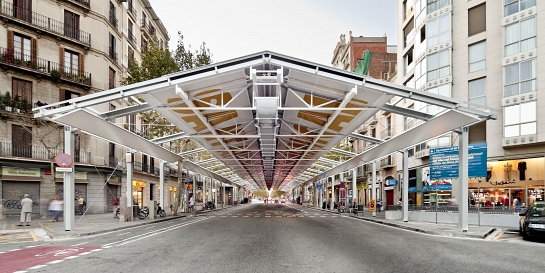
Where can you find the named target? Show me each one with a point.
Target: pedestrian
(56, 207)
(115, 203)
(81, 204)
(26, 210)
(191, 203)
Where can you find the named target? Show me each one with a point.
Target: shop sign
(444, 162)
(77, 175)
(114, 179)
(20, 172)
(391, 182)
(319, 186)
(139, 184)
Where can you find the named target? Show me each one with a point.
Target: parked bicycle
(143, 213)
(160, 211)
(118, 212)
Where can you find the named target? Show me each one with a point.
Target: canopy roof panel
(265, 116)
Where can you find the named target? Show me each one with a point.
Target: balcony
(386, 134)
(132, 11)
(146, 168)
(112, 162)
(44, 23)
(10, 58)
(409, 124)
(387, 162)
(85, 4)
(112, 54)
(372, 120)
(422, 153)
(8, 149)
(131, 37)
(113, 19)
(147, 28)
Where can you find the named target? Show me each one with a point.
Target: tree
(155, 63)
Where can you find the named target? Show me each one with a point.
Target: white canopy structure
(266, 116)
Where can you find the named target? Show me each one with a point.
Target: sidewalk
(44, 229)
(442, 229)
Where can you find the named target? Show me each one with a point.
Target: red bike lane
(17, 260)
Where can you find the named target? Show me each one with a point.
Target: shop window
(477, 57)
(514, 6)
(520, 78)
(477, 20)
(520, 120)
(438, 30)
(477, 92)
(439, 65)
(520, 37)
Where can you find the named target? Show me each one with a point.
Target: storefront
(138, 192)
(16, 182)
(113, 189)
(507, 180)
(80, 187)
(172, 195)
(389, 191)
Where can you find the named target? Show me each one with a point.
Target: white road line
(223, 216)
(38, 266)
(256, 216)
(333, 215)
(80, 244)
(71, 257)
(234, 216)
(20, 272)
(122, 234)
(267, 216)
(14, 249)
(84, 253)
(322, 216)
(278, 215)
(138, 238)
(30, 246)
(150, 227)
(245, 216)
(2, 252)
(56, 262)
(98, 249)
(312, 216)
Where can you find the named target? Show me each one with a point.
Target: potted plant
(17, 104)
(55, 75)
(6, 101)
(25, 105)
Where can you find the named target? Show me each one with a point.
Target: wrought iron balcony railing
(113, 19)
(8, 149)
(132, 10)
(44, 23)
(131, 37)
(86, 3)
(112, 53)
(8, 56)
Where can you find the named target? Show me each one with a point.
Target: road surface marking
(38, 266)
(80, 244)
(267, 216)
(322, 216)
(312, 216)
(56, 262)
(122, 234)
(45, 227)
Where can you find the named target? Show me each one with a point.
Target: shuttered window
(21, 139)
(21, 88)
(111, 79)
(71, 24)
(477, 20)
(23, 10)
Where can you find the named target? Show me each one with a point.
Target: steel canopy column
(69, 186)
(332, 204)
(373, 188)
(129, 157)
(405, 185)
(215, 194)
(162, 184)
(223, 200)
(354, 187)
(341, 178)
(463, 180)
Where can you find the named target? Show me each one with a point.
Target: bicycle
(117, 212)
(160, 211)
(144, 213)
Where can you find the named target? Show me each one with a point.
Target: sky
(304, 29)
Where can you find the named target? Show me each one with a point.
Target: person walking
(191, 203)
(56, 207)
(115, 204)
(81, 202)
(26, 210)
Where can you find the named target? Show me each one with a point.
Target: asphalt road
(271, 238)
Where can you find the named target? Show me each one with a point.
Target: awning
(115, 183)
(77, 181)
(22, 178)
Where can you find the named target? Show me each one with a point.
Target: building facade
(58, 50)
(485, 53)
(380, 63)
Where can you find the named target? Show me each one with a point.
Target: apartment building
(485, 53)
(54, 51)
(374, 57)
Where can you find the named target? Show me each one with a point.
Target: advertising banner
(444, 162)
(412, 180)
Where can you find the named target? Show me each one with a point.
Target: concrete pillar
(223, 197)
(215, 193)
(162, 184)
(463, 180)
(69, 186)
(405, 186)
(129, 157)
(373, 188)
(341, 179)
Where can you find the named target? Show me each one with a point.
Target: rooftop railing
(45, 23)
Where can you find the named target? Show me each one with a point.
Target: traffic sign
(372, 205)
(64, 160)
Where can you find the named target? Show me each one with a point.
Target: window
(131, 121)
(513, 6)
(77, 147)
(152, 165)
(22, 89)
(71, 24)
(112, 52)
(477, 57)
(520, 36)
(520, 120)
(477, 91)
(71, 62)
(520, 78)
(408, 60)
(131, 56)
(112, 107)
(438, 30)
(434, 5)
(23, 10)
(477, 20)
(111, 79)
(438, 65)
(409, 31)
(66, 95)
(113, 17)
(21, 141)
(443, 90)
(130, 33)
(22, 47)
(145, 163)
(112, 161)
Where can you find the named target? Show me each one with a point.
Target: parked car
(532, 221)
(276, 200)
(283, 201)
